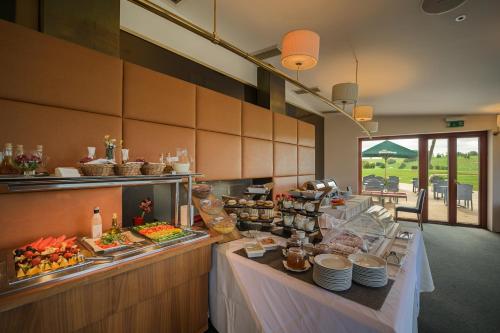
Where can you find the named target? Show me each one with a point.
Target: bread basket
(97, 169)
(153, 169)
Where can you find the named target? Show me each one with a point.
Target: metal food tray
(12, 274)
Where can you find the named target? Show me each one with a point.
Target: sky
(464, 145)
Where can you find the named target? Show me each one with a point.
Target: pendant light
(300, 50)
(362, 112)
(345, 93)
(371, 126)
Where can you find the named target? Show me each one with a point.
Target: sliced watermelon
(60, 238)
(45, 243)
(36, 244)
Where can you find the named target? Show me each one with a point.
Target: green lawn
(468, 169)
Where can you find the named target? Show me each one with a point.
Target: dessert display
(159, 231)
(46, 255)
(343, 242)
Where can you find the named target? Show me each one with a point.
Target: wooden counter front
(164, 292)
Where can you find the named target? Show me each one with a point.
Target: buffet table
(353, 206)
(246, 296)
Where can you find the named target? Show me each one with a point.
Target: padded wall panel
(257, 158)
(304, 178)
(31, 215)
(218, 156)
(283, 185)
(217, 112)
(65, 134)
(285, 159)
(285, 128)
(149, 140)
(156, 97)
(41, 69)
(257, 122)
(306, 134)
(306, 160)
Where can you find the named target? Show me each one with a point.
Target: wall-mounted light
(300, 50)
(363, 112)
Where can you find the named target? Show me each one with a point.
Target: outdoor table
(246, 296)
(382, 195)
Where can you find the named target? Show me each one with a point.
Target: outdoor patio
(438, 211)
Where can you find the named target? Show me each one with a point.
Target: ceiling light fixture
(460, 18)
(300, 50)
(371, 126)
(362, 112)
(347, 92)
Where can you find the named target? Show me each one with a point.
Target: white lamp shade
(345, 93)
(371, 126)
(300, 49)
(362, 113)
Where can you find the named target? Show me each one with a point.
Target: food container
(254, 250)
(212, 207)
(152, 169)
(181, 167)
(297, 205)
(128, 169)
(223, 225)
(268, 243)
(296, 258)
(288, 220)
(202, 191)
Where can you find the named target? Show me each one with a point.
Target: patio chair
(464, 193)
(393, 184)
(367, 178)
(415, 184)
(439, 189)
(374, 185)
(414, 209)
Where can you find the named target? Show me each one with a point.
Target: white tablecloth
(353, 206)
(246, 296)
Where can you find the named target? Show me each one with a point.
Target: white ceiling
(409, 62)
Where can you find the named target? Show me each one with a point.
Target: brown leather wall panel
(306, 134)
(65, 134)
(149, 140)
(305, 178)
(218, 156)
(257, 122)
(285, 159)
(257, 158)
(45, 70)
(283, 185)
(152, 96)
(32, 215)
(285, 128)
(306, 160)
(217, 112)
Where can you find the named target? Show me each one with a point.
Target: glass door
(467, 180)
(438, 176)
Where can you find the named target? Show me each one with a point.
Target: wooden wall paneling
(306, 134)
(257, 122)
(285, 159)
(155, 97)
(149, 140)
(218, 156)
(217, 112)
(284, 184)
(257, 159)
(31, 215)
(285, 128)
(305, 178)
(306, 165)
(41, 69)
(65, 134)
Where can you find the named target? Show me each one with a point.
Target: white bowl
(181, 167)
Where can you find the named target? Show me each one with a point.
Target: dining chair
(417, 209)
(464, 192)
(415, 184)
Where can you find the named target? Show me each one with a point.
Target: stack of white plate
(369, 270)
(332, 272)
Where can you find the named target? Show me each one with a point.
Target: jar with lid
(7, 166)
(293, 241)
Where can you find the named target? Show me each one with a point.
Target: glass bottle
(96, 224)
(42, 167)
(115, 228)
(7, 166)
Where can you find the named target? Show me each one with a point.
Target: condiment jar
(293, 241)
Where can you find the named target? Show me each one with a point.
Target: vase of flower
(146, 207)
(109, 146)
(27, 164)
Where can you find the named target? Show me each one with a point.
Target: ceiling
(409, 62)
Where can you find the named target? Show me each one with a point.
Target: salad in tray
(160, 231)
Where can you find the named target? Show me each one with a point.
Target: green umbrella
(388, 149)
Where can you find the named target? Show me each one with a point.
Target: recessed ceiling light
(460, 18)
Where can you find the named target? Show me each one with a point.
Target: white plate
(306, 267)
(367, 261)
(332, 262)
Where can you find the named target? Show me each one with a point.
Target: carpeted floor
(465, 265)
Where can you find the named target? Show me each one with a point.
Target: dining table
(248, 296)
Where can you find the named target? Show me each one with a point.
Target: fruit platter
(160, 232)
(46, 255)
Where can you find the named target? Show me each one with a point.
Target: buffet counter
(246, 296)
(169, 283)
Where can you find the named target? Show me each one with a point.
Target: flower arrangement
(145, 206)
(27, 163)
(109, 145)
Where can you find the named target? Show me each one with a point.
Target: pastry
(231, 202)
(244, 216)
(254, 217)
(260, 202)
(250, 203)
(242, 202)
(269, 203)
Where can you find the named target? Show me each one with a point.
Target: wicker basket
(97, 169)
(129, 169)
(153, 169)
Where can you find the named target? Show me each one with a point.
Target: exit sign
(455, 123)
